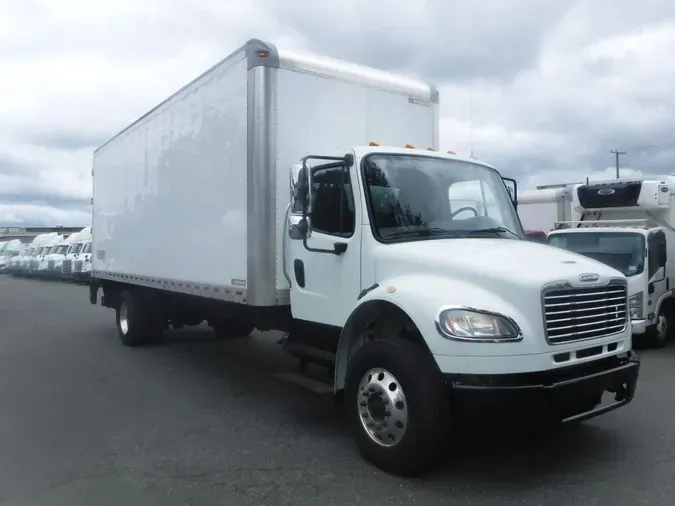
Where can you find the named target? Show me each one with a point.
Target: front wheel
(659, 333)
(397, 406)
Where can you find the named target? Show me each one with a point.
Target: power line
(617, 153)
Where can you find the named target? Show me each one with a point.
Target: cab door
(659, 282)
(324, 266)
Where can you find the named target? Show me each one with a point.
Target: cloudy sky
(541, 89)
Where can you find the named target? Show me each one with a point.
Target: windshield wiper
(421, 232)
(494, 231)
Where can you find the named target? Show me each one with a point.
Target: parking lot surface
(86, 421)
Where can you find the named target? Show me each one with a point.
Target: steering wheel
(465, 208)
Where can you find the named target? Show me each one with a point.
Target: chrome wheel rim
(662, 327)
(124, 317)
(382, 407)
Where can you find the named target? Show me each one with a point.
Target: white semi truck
(629, 225)
(355, 250)
(73, 261)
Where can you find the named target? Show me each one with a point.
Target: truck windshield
(624, 251)
(412, 197)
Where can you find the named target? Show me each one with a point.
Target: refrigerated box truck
(365, 253)
(629, 225)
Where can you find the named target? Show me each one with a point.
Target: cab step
(306, 382)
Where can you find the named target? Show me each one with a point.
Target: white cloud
(22, 215)
(542, 90)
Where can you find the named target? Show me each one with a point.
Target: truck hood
(486, 260)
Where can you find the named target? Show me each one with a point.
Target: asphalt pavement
(86, 421)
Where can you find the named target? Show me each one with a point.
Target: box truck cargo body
(311, 198)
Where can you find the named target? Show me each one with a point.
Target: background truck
(370, 258)
(628, 225)
(535, 236)
(73, 261)
(540, 209)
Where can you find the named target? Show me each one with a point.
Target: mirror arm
(345, 161)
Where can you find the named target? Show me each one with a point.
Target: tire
(138, 322)
(412, 438)
(227, 329)
(658, 334)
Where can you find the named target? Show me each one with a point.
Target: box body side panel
(170, 197)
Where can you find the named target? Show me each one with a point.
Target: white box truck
(403, 270)
(542, 208)
(628, 224)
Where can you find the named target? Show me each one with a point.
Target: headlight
(474, 326)
(635, 302)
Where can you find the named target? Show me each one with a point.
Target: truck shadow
(500, 452)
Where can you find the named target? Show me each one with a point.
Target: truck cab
(390, 228)
(627, 224)
(46, 264)
(10, 253)
(82, 263)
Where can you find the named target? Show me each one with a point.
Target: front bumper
(556, 391)
(82, 276)
(640, 326)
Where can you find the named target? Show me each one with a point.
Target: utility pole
(617, 153)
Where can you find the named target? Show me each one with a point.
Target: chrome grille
(77, 266)
(66, 266)
(573, 314)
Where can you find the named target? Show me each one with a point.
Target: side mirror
(300, 202)
(663, 254)
(294, 188)
(304, 193)
(299, 189)
(512, 190)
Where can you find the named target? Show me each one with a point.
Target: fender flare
(349, 336)
(665, 297)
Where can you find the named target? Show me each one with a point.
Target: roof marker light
(409, 146)
(373, 143)
(451, 153)
(431, 149)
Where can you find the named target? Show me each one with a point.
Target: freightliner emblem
(587, 278)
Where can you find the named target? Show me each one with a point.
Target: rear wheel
(397, 406)
(138, 321)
